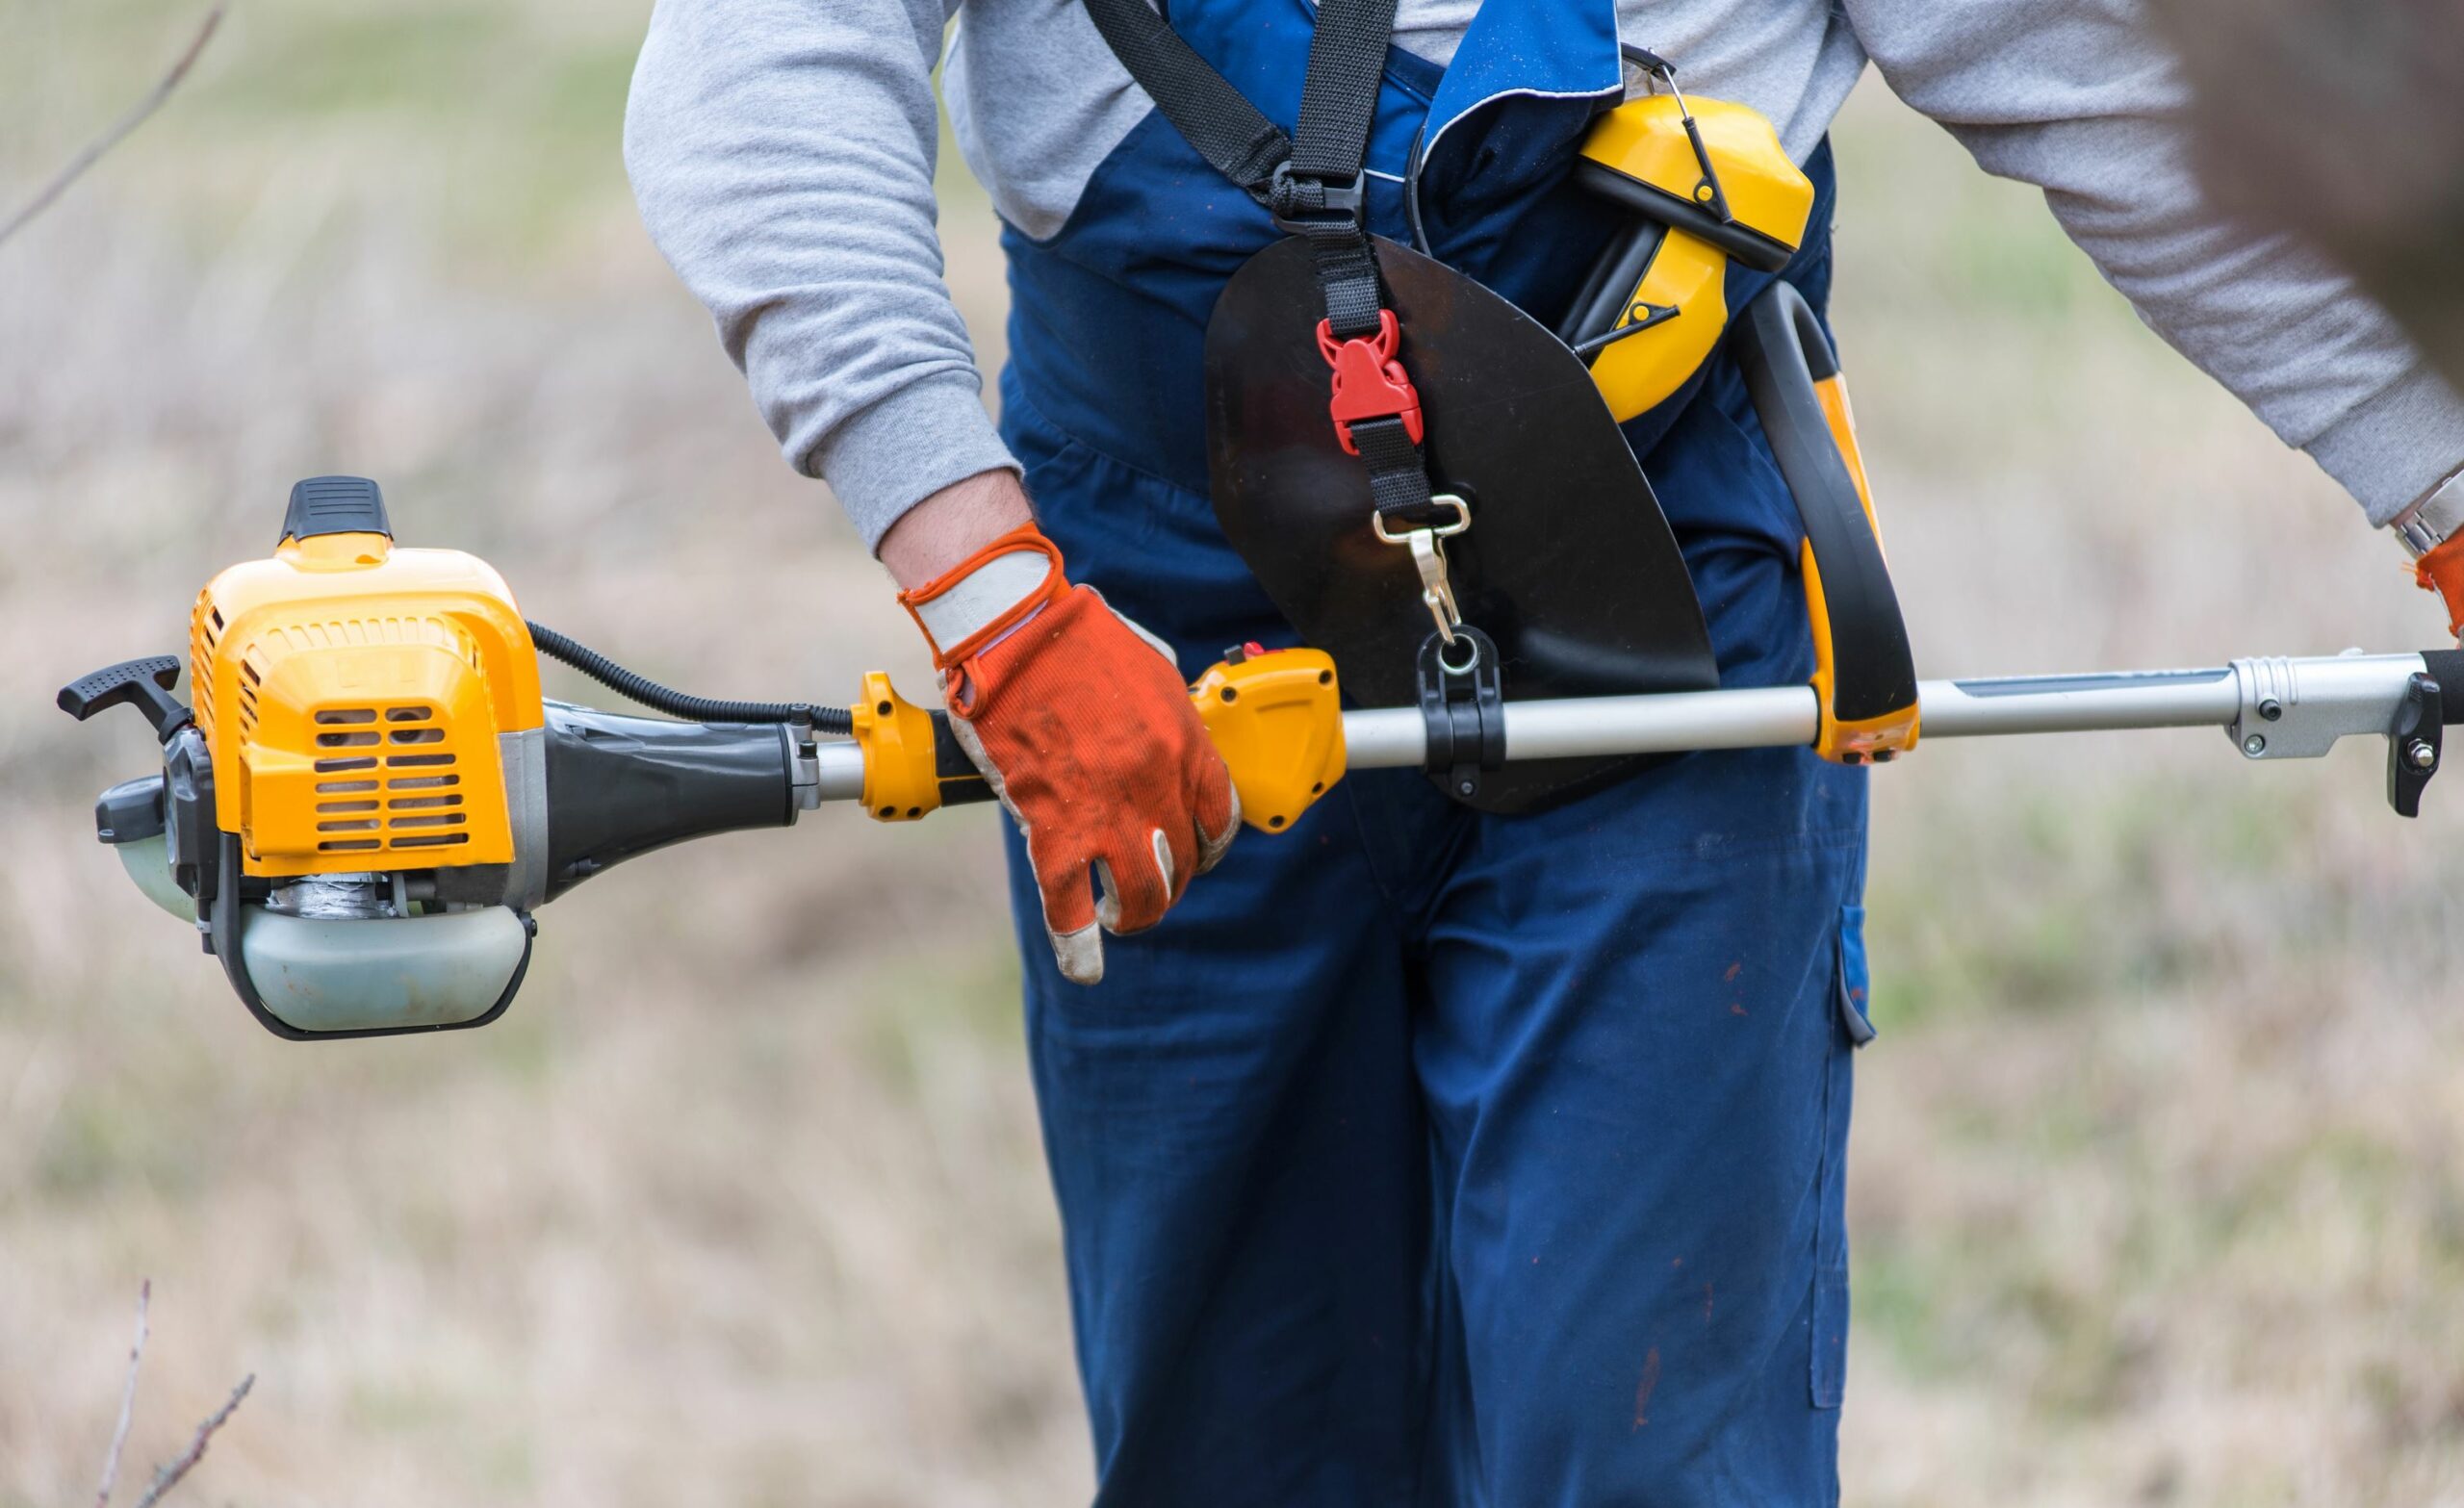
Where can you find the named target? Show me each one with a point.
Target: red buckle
(1369, 382)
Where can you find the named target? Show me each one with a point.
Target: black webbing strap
(1330, 145)
(1212, 116)
(1397, 475)
(1312, 182)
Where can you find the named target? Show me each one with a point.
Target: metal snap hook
(1428, 557)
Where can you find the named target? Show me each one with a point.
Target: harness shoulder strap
(1217, 119)
(1311, 182)
(1318, 193)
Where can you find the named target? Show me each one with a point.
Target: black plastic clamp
(2415, 744)
(1303, 206)
(1463, 709)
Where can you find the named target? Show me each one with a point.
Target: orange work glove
(1082, 724)
(2442, 570)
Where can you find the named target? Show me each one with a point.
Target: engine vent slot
(337, 766)
(201, 677)
(437, 819)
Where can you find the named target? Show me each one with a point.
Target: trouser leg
(1636, 1071)
(1234, 1139)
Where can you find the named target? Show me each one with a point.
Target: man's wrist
(952, 525)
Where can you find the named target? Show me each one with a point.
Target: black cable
(1412, 192)
(676, 704)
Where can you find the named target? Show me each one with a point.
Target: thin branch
(127, 1398)
(121, 128)
(168, 1477)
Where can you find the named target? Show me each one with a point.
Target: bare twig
(169, 1476)
(127, 1398)
(121, 128)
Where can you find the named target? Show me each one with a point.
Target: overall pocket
(1855, 984)
(1850, 993)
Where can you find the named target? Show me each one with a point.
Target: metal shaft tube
(838, 771)
(2307, 705)
(1670, 722)
(2077, 703)
(1783, 716)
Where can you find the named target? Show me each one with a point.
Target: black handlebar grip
(145, 684)
(1784, 352)
(2447, 667)
(962, 784)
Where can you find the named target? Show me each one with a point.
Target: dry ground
(2159, 1188)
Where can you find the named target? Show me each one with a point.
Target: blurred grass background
(2159, 1170)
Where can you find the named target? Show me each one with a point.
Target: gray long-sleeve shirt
(782, 154)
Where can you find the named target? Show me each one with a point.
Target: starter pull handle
(145, 684)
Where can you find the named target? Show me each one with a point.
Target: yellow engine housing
(354, 700)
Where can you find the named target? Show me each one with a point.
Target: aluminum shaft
(2320, 698)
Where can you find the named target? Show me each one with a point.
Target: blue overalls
(1423, 1157)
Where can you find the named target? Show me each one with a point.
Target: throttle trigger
(2415, 745)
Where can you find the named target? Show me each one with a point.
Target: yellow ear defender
(1707, 183)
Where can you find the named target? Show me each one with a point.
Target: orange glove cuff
(1025, 539)
(2442, 570)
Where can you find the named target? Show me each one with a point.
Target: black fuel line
(650, 694)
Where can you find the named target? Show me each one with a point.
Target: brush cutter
(365, 799)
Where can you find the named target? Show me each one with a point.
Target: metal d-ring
(1428, 557)
(1444, 500)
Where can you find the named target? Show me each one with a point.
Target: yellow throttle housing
(902, 757)
(1277, 718)
(1707, 184)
